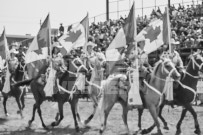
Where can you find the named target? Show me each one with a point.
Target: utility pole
(107, 10)
(117, 9)
(142, 11)
(169, 3)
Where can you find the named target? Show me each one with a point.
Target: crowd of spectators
(186, 27)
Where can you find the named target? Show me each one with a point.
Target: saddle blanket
(134, 98)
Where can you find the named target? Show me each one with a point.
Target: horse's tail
(21, 83)
(100, 110)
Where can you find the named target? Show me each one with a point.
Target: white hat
(57, 44)
(15, 44)
(14, 51)
(91, 44)
(174, 42)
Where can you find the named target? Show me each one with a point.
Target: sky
(21, 17)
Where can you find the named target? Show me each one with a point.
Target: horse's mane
(157, 64)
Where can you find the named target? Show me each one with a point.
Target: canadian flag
(75, 37)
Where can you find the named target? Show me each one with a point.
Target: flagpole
(169, 29)
(50, 44)
(86, 38)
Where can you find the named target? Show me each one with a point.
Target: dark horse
(182, 95)
(16, 91)
(66, 80)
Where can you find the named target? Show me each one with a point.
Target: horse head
(68, 61)
(196, 61)
(100, 60)
(167, 69)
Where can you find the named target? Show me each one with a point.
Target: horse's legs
(33, 114)
(154, 112)
(22, 99)
(125, 114)
(77, 113)
(19, 106)
(95, 104)
(60, 107)
(73, 105)
(189, 108)
(194, 114)
(4, 104)
(105, 116)
(140, 112)
(180, 121)
(161, 117)
(40, 115)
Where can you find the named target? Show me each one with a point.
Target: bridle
(194, 62)
(166, 70)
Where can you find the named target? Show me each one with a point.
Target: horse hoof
(7, 114)
(45, 127)
(29, 123)
(100, 132)
(144, 131)
(197, 131)
(18, 112)
(77, 129)
(85, 122)
(159, 132)
(178, 132)
(57, 117)
(166, 127)
(53, 124)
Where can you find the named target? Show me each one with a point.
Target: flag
(125, 35)
(166, 29)
(4, 54)
(76, 36)
(4, 50)
(38, 50)
(153, 35)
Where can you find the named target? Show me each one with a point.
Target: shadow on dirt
(52, 131)
(3, 120)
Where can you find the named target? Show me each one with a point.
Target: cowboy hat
(14, 51)
(174, 42)
(15, 44)
(91, 44)
(57, 44)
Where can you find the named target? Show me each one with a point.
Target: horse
(116, 90)
(94, 85)
(16, 91)
(185, 93)
(66, 82)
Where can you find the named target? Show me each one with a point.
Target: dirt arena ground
(14, 125)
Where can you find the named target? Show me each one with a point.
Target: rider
(144, 66)
(90, 56)
(57, 61)
(174, 56)
(13, 63)
(77, 62)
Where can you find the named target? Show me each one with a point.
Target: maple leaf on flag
(73, 36)
(152, 33)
